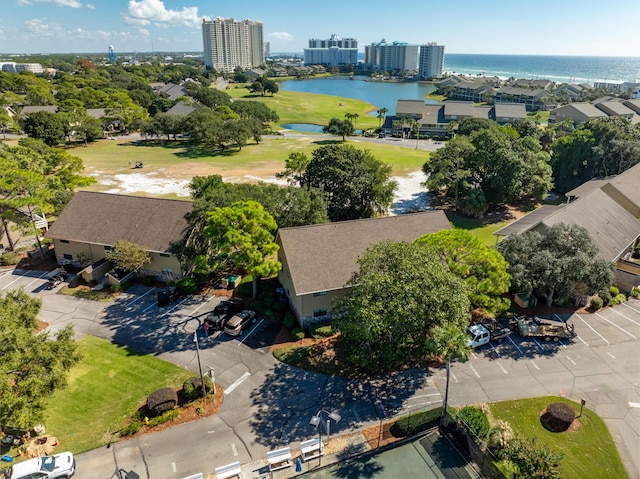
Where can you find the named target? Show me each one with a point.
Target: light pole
(317, 420)
(202, 385)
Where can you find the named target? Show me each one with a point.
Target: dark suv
(221, 314)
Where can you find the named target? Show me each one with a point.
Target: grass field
(105, 388)
(588, 452)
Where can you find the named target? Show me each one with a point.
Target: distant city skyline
(546, 27)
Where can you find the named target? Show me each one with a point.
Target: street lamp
(202, 385)
(316, 421)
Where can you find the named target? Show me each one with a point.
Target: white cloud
(142, 12)
(40, 28)
(283, 36)
(91, 6)
(60, 3)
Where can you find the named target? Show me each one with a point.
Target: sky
(543, 27)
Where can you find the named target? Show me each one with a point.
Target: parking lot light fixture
(203, 387)
(316, 421)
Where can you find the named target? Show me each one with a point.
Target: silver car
(58, 466)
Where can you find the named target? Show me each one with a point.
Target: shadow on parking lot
(289, 397)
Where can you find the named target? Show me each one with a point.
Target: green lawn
(478, 228)
(300, 107)
(588, 452)
(105, 388)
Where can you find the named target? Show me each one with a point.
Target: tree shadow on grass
(328, 142)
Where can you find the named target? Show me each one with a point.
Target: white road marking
(585, 343)
(626, 317)
(234, 450)
(139, 297)
(237, 383)
(634, 404)
(474, 371)
(210, 432)
(631, 307)
(539, 345)
(571, 361)
(515, 345)
(175, 307)
(534, 364)
(153, 305)
(39, 277)
(200, 306)
(249, 333)
(611, 355)
(503, 369)
(589, 326)
(355, 413)
(20, 276)
(455, 379)
(615, 325)
(495, 349)
(173, 466)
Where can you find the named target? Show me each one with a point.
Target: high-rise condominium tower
(229, 44)
(431, 61)
(333, 51)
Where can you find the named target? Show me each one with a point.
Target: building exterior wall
(398, 56)
(431, 64)
(229, 44)
(162, 265)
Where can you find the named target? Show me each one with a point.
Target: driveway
(268, 404)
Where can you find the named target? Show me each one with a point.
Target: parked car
(56, 278)
(168, 295)
(58, 466)
(239, 322)
(221, 314)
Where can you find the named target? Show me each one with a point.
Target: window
(320, 293)
(64, 241)
(319, 312)
(68, 256)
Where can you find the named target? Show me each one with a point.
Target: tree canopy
(354, 183)
(339, 127)
(127, 256)
(32, 366)
(483, 269)
(560, 263)
(400, 293)
(244, 234)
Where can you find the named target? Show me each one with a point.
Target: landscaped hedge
(321, 329)
(596, 303)
(9, 258)
(477, 421)
(192, 387)
(161, 400)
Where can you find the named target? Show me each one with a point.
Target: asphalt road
(269, 404)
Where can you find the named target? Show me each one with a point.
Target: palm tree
(382, 112)
(414, 127)
(449, 342)
(352, 117)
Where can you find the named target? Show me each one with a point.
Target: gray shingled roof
(182, 109)
(611, 227)
(633, 104)
(628, 183)
(614, 108)
(510, 110)
(103, 218)
(459, 108)
(586, 109)
(36, 108)
(323, 257)
(587, 187)
(409, 107)
(529, 221)
(432, 114)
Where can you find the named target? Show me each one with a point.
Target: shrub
(298, 334)
(192, 387)
(558, 417)
(187, 285)
(9, 258)
(132, 428)
(148, 280)
(165, 417)
(596, 303)
(161, 400)
(321, 329)
(258, 307)
(477, 422)
(245, 288)
(605, 296)
(500, 435)
(291, 355)
(273, 315)
(619, 299)
(289, 321)
(533, 460)
(280, 307)
(635, 292)
(613, 291)
(415, 423)
(268, 298)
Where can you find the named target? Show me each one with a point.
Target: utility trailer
(534, 327)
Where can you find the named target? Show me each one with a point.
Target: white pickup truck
(481, 334)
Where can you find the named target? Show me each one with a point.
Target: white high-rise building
(431, 61)
(229, 44)
(398, 56)
(333, 52)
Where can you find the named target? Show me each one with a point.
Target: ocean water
(560, 69)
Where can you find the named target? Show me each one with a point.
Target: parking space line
(455, 379)
(538, 343)
(139, 297)
(38, 278)
(355, 413)
(234, 450)
(611, 355)
(250, 332)
(494, 348)
(149, 307)
(626, 317)
(571, 360)
(20, 276)
(175, 307)
(614, 324)
(585, 343)
(188, 315)
(474, 371)
(534, 364)
(630, 307)
(515, 345)
(590, 327)
(237, 383)
(503, 369)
